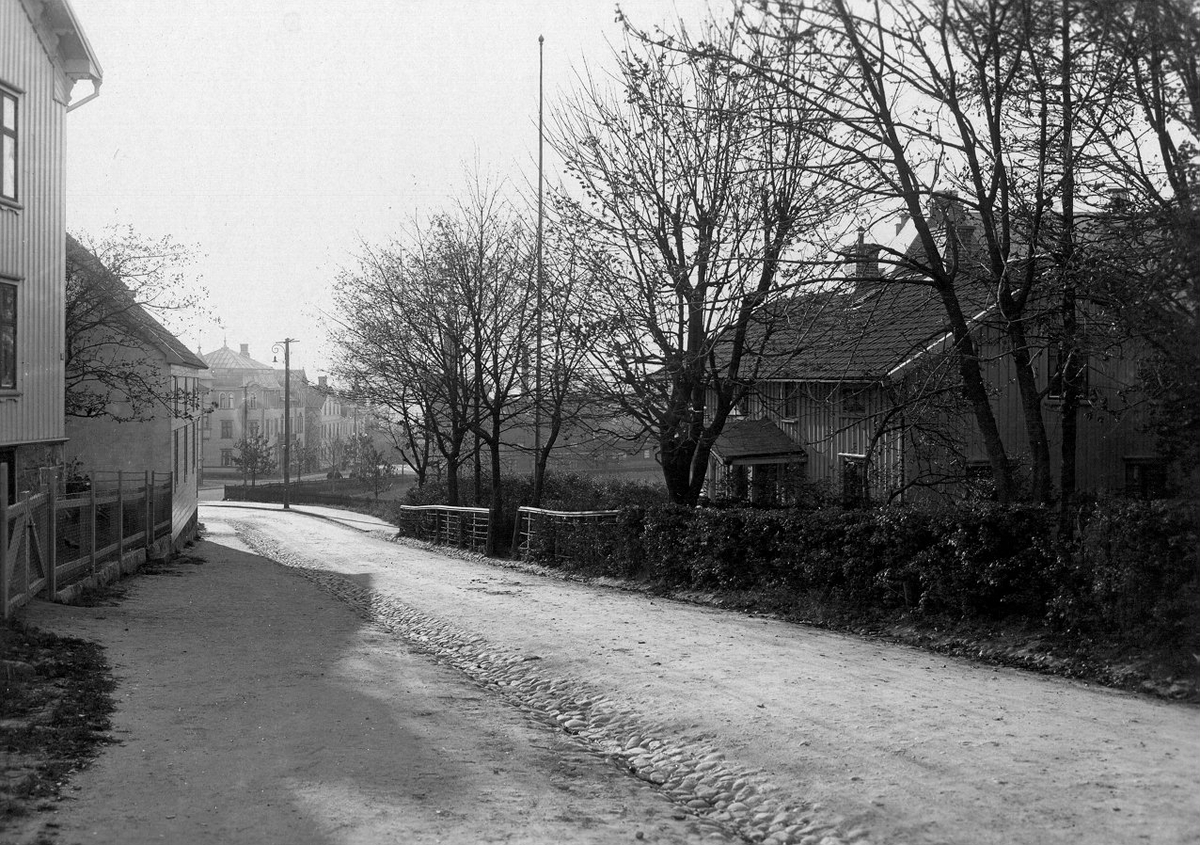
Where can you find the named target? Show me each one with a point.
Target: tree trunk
(1069, 352)
(975, 391)
(496, 511)
(1031, 407)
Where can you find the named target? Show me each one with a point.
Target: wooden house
(857, 396)
(43, 54)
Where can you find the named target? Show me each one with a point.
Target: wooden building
(44, 53)
(858, 397)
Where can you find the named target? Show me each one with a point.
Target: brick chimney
(866, 262)
(246, 349)
(323, 381)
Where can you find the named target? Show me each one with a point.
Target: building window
(253, 401)
(791, 402)
(1055, 372)
(226, 429)
(224, 401)
(8, 145)
(226, 457)
(8, 336)
(1145, 478)
(254, 429)
(853, 401)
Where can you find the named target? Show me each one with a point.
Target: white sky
(275, 136)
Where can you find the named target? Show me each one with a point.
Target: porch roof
(757, 441)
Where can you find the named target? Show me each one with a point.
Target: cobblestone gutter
(729, 803)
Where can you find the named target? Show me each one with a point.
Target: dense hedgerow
(1130, 573)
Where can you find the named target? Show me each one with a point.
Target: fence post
(4, 561)
(52, 552)
(25, 545)
(120, 518)
(148, 489)
(92, 523)
(516, 540)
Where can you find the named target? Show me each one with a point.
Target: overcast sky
(276, 135)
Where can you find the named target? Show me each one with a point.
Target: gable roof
(136, 319)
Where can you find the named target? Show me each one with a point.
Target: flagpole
(537, 379)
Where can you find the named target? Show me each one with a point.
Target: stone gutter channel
(729, 803)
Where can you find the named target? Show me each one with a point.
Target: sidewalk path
(255, 708)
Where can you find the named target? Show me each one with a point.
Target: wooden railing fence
(51, 540)
(466, 528)
(532, 522)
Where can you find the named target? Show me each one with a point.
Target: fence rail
(466, 528)
(50, 541)
(532, 521)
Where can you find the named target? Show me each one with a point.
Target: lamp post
(286, 343)
(245, 428)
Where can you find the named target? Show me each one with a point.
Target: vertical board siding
(826, 430)
(1110, 429)
(32, 244)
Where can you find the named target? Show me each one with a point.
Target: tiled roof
(865, 335)
(130, 312)
(744, 440)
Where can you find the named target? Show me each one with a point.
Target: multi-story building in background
(246, 401)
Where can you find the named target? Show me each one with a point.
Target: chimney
(246, 349)
(866, 261)
(322, 381)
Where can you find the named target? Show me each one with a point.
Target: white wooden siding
(32, 246)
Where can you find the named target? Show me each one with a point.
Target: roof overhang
(757, 441)
(65, 42)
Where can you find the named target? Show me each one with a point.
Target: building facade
(165, 439)
(43, 54)
(246, 401)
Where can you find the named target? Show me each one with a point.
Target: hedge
(1129, 573)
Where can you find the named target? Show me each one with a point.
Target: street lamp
(286, 343)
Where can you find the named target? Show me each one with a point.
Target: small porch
(754, 460)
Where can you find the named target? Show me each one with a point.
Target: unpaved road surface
(392, 693)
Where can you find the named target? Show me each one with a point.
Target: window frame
(8, 93)
(9, 282)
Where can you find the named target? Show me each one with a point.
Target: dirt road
(258, 709)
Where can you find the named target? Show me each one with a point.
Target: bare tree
(693, 195)
(979, 122)
(115, 287)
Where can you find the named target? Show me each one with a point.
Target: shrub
(1134, 572)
